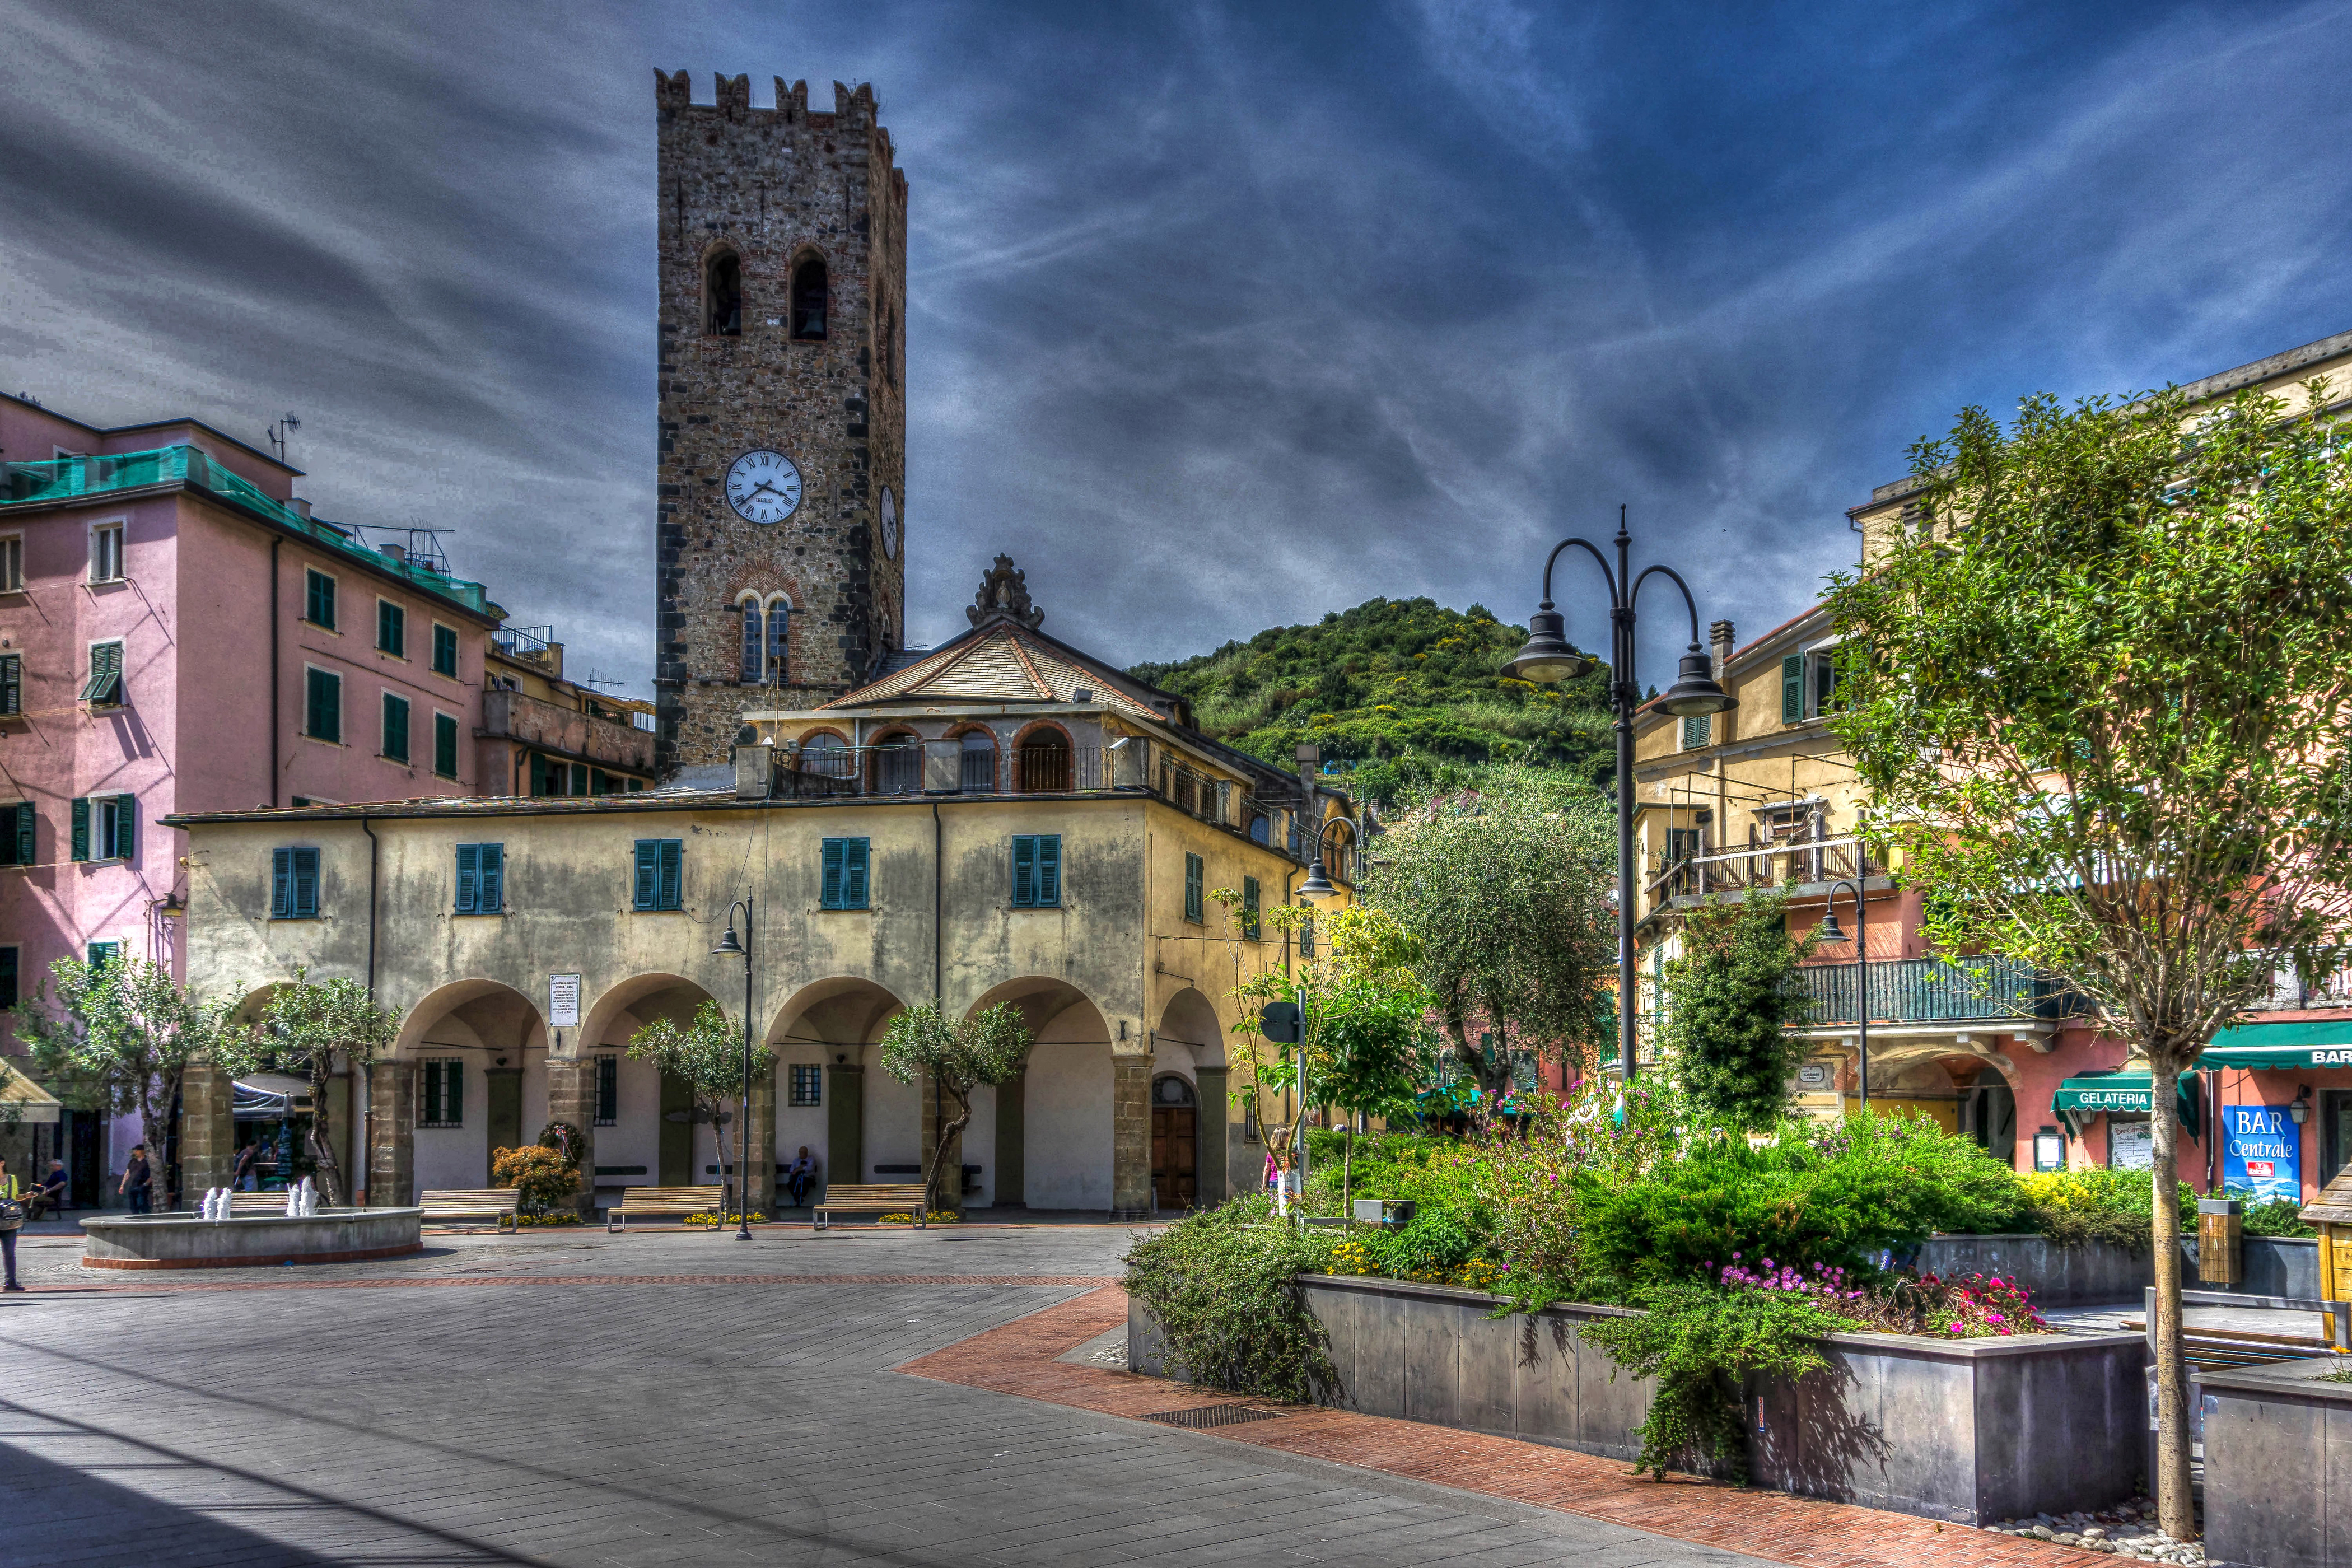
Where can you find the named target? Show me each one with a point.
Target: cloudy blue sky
(1220, 316)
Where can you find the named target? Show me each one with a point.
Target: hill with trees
(1402, 693)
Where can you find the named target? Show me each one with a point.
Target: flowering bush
(895, 1219)
(1827, 1285)
(567, 1218)
(1976, 1307)
(1351, 1257)
(944, 1216)
(716, 1220)
(545, 1181)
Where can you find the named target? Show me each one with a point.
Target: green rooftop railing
(68, 478)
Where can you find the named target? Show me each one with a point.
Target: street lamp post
(1829, 931)
(728, 944)
(1317, 886)
(1548, 659)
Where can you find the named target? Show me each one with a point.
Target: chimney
(1722, 640)
(301, 506)
(1310, 762)
(395, 552)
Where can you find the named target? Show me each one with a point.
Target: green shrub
(1835, 1194)
(2075, 1208)
(1223, 1285)
(2279, 1217)
(1435, 1245)
(1433, 1173)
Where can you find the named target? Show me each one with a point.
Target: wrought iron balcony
(1797, 861)
(1938, 990)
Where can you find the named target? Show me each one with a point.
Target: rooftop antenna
(281, 436)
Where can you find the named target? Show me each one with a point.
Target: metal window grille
(1044, 769)
(608, 1091)
(807, 1084)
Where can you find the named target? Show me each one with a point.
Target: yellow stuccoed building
(1002, 819)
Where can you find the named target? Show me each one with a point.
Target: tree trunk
(935, 1193)
(322, 1148)
(2176, 1509)
(1347, 1174)
(155, 1127)
(716, 1112)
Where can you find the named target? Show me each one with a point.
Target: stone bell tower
(779, 542)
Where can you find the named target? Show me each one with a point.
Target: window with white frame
(12, 563)
(106, 552)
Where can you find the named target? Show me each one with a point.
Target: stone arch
(980, 764)
(1189, 1033)
(830, 1030)
(486, 1086)
(1067, 1097)
(651, 1139)
(1042, 755)
(722, 291)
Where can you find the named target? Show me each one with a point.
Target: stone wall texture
(773, 186)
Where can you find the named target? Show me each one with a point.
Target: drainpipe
(274, 764)
(362, 1105)
(938, 909)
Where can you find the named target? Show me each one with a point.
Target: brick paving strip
(115, 1285)
(1019, 1358)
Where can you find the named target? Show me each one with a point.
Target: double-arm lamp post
(1548, 659)
(728, 944)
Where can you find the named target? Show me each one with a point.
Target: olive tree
(989, 1048)
(2105, 714)
(123, 1028)
(706, 1055)
(304, 1029)
(1506, 892)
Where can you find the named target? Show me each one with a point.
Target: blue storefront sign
(2262, 1153)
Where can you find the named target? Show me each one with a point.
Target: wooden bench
(661, 1200)
(886, 1198)
(495, 1204)
(257, 1204)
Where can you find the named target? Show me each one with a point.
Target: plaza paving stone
(685, 1398)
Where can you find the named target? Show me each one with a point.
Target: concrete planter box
(2103, 1274)
(2278, 1466)
(187, 1241)
(1968, 1431)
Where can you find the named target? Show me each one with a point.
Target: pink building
(179, 634)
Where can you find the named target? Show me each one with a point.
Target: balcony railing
(1762, 865)
(69, 478)
(1938, 990)
(902, 769)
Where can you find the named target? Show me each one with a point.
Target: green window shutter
(25, 819)
(444, 650)
(673, 855)
(830, 895)
(306, 883)
(1049, 870)
(12, 683)
(445, 745)
(1193, 907)
(648, 872)
(579, 778)
(491, 897)
(126, 824)
(80, 830)
(391, 629)
(452, 1091)
(395, 728)
(853, 873)
(281, 883)
(1249, 908)
(1024, 870)
(469, 878)
(1793, 689)
(324, 715)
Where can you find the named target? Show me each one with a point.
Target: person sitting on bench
(50, 1196)
(798, 1175)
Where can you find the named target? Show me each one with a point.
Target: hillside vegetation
(1403, 692)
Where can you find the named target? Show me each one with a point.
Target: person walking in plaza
(49, 1197)
(241, 1178)
(798, 1177)
(137, 1181)
(12, 1219)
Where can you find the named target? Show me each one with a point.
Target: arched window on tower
(722, 295)
(780, 621)
(748, 675)
(809, 297)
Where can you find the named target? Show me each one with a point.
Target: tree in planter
(1506, 892)
(989, 1048)
(304, 1029)
(1731, 997)
(1367, 1045)
(2105, 713)
(127, 1034)
(706, 1055)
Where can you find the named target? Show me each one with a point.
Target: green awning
(2326, 1043)
(2095, 1094)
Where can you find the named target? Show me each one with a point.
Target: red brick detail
(452, 1281)
(259, 1259)
(1018, 1358)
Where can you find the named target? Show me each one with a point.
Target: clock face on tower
(889, 523)
(763, 487)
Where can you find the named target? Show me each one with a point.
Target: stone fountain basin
(189, 1241)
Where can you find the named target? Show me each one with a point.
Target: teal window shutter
(1024, 870)
(853, 873)
(126, 824)
(492, 895)
(80, 830)
(648, 872)
(672, 870)
(1195, 908)
(281, 884)
(323, 715)
(445, 745)
(306, 883)
(25, 819)
(319, 607)
(444, 650)
(395, 728)
(1049, 868)
(1793, 689)
(831, 896)
(469, 878)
